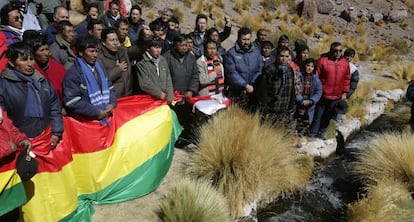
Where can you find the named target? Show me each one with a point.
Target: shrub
(328, 29)
(145, 3)
(400, 46)
(310, 29)
(151, 14)
(245, 159)
(189, 200)
(389, 201)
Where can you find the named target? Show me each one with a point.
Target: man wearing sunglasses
(11, 30)
(334, 73)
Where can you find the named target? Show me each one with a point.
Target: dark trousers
(324, 111)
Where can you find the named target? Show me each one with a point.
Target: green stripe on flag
(12, 198)
(140, 182)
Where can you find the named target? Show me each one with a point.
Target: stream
(332, 186)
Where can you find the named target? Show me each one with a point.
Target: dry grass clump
(190, 200)
(272, 4)
(388, 201)
(151, 14)
(241, 5)
(358, 101)
(245, 159)
(360, 29)
(178, 12)
(310, 29)
(400, 46)
(380, 52)
(409, 4)
(321, 47)
(145, 3)
(203, 7)
(388, 85)
(299, 21)
(187, 3)
(405, 25)
(266, 15)
(380, 23)
(254, 22)
(402, 70)
(390, 156)
(328, 29)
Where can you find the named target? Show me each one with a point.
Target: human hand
(102, 114)
(343, 97)
(227, 19)
(163, 95)
(122, 65)
(188, 94)
(26, 144)
(249, 88)
(54, 142)
(12, 146)
(306, 102)
(109, 109)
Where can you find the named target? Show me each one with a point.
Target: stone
(309, 10)
(397, 15)
(325, 6)
(375, 17)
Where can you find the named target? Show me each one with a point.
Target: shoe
(322, 137)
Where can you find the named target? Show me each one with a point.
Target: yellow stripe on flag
(9, 178)
(135, 142)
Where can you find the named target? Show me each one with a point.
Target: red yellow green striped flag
(96, 164)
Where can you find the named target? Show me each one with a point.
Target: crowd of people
(51, 68)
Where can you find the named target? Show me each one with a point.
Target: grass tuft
(388, 201)
(310, 29)
(151, 14)
(328, 29)
(187, 3)
(245, 159)
(191, 200)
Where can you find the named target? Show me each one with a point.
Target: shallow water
(332, 186)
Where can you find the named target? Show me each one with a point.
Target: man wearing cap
(334, 73)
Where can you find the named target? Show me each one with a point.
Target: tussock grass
(400, 46)
(254, 22)
(241, 5)
(409, 4)
(151, 14)
(310, 29)
(402, 70)
(145, 3)
(390, 156)
(178, 12)
(278, 13)
(380, 23)
(405, 25)
(191, 200)
(321, 47)
(266, 15)
(202, 7)
(299, 21)
(380, 52)
(390, 84)
(385, 202)
(245, 159)
(357, 102)
(328, 29)
(187, 3)
(272, 4)
(360, 29)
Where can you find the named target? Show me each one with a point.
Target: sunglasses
(17, 18)
(338, 50)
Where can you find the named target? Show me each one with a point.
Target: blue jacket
(315, 94)
(76, 97)
(51, 33)
(13, 94)
(242, 68)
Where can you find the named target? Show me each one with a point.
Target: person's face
(62, 14)
(90, 55)
(15, 19)
(245, 41)
(111, 43)
(202, 25)
(135, 15)
(114, 10)
(211, 50)
(190, 44)
(283, 57)
(69, 34)
(159, 32)
(122, 31)
(93, 13)
(285, 43)
(173, 25)
(349, 58)
(96, 31)
(181, 48)
(155, 51)
(42, 54)
(305, 54)
(337, 52)
(267, 51)
(262, 36)
(23, 64)
(165, 17)
(214, 36)
(309, 68)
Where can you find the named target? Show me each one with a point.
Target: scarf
(19, 32)
(33, 106)
(155, 61)
(307, 85)
(99, 97)
(214, 66)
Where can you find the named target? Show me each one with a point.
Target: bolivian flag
(96, 164)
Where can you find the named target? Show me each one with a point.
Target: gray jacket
(184, 74)
(122, 81)
(150, 82)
